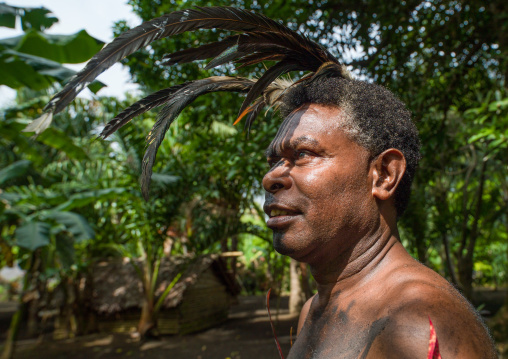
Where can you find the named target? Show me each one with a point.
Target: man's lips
(274, 210)
(280, 216)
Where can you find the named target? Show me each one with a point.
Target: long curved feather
(264, 81)
(256, 107)
(271, 96)
(181, 99)
(226, 18)
(146, 104)
(202, 52)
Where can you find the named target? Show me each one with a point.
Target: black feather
(226, 56)
(270, 75)
(146, 104)
(226, 18)
(202, 52)
(256, 107)
(181, 99)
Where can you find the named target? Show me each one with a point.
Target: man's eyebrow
(304, 139)
(271, 151)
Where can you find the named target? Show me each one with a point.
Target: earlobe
(387, 171)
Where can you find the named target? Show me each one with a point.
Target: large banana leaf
(87, 197)
(75, 224)
(19, 70)
(64, 49)
(61, 141)
(32, 235)
(14, 170)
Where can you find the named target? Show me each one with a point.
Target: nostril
(276, 186)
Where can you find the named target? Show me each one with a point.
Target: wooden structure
(199, 300)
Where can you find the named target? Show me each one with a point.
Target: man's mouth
(280, 218)
(279, 212)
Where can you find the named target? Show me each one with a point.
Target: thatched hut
(200, 299)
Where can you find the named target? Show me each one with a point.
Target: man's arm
(459, 330)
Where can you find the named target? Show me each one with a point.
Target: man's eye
(302, 154)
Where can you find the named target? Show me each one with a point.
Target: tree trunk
(449, 263)
(12, 334)
(32, 326)
(146, 322)
(234, 248)
(297, 295)
(33, 304)
(466, 261)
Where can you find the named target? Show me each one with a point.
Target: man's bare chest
(336, 334)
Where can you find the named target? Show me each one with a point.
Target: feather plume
(226, 18)
(270, 75)
(180, 99)
(256, 107)
(144, 105)
(258, 39)
(202, 52)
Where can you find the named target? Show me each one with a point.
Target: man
(341, 168)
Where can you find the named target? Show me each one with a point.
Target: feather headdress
(258, 39)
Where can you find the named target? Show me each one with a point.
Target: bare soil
(245, 335)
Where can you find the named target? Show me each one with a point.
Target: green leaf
(14, 170)
(65, 49)
(222, 129)
(62, 142)
(31, 18)
(8, 16)
(75, 224)
(16, 74)
(19, 70)
(32, 235)
(498, 105)
(164, 179)
(37, 18)
(85, 198)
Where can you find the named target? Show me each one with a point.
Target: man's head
(333, 177)
(374, 118)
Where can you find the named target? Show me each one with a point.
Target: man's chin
(280, 244)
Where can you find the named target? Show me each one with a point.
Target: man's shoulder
(414, 296)
(416, 284)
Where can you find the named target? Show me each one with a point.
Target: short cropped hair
(375, 119)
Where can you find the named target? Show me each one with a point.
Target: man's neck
(346, 273)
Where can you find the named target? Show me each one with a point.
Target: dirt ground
(245, 335)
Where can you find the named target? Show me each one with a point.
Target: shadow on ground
(246, 335)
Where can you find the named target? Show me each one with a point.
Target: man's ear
(387, 171)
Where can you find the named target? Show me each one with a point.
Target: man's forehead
(302, 126)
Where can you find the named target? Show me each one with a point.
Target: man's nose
(277, 178)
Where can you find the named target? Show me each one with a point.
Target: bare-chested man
(341, 169)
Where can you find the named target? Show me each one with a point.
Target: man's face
(318, 190)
